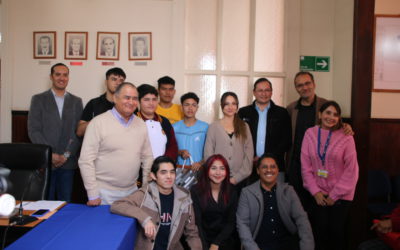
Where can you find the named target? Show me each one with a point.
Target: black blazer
(279, 131)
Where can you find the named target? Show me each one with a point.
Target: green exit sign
(315, 63)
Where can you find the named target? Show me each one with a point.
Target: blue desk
(80, 227)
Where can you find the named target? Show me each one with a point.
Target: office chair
(30, 166)
(379, 194)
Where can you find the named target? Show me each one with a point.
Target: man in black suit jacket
(269, 124)
(52, 120)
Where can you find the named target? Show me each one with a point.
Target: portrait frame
(144, 40)
(40, 39)
(72, 45)
(386, 54)
(103, 39)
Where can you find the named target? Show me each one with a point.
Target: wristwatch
(67, 155)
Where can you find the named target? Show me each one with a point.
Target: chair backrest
(30, 166)
(396, 188)
(379, 186)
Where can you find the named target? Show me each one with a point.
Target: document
(42, 204)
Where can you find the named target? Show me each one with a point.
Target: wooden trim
(19, 112)
(360, 112)
(19, 126)
(384, 120)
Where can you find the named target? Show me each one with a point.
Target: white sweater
(112, 154)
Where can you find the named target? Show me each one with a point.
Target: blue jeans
(61, 184)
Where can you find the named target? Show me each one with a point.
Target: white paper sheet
(43, 204)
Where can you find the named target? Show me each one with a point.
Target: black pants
(295, 179)
(329, 225)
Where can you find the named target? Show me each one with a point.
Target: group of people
(242, 161)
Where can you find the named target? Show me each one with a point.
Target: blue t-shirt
(191, 138)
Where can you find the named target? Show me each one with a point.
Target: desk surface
(81, 227)
(5, 221)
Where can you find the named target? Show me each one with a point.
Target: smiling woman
(329, 169)
(231, 137)
(214, 203)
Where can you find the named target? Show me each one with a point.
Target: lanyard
(323, 155)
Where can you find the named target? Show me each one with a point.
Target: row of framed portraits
(76, 45)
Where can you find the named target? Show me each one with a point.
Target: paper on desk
(36, 205)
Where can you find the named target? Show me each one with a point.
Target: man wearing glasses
(269, 124)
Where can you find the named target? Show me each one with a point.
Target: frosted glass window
(201, 34)
(238, 85)
(277, 89)
(269, 36)
(235, 35)
(205, 87)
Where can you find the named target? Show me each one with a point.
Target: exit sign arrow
(323, 64)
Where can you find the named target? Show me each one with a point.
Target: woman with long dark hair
(231, 137)
(215, 202)
(330, 172)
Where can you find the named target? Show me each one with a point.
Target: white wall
(23, 76)
(386, 105)
(322, 28)
(313, 27)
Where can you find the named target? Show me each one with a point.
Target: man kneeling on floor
(163, 210)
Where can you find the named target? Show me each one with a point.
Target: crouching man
(163, 210)
(270, 215)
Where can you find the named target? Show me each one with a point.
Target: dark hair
(118, 89)
(338, 110)
(204, 187)
(140, 39)
(56, 65)
(165, 80)
(267, 155)
(190, 95)
(107, 37)
(238, 124)
(145, 89)
(45, 37)
(263, 79)
(115, 71)
(157, 162)
(302, 73)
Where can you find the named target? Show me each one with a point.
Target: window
(228, 45)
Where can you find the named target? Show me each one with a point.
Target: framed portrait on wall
(387, 53)
(140, 45)
(75, 46)
(107, 46)
(44, 45)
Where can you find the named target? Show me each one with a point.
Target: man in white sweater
(115, 147)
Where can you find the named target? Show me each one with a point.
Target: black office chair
(30, 166)
(379, 194)
(396, 188)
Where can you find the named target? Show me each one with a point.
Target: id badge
(322, 173)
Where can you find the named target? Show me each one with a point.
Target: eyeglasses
(301, 85)
(264, 90)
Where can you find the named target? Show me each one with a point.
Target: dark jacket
(46, 127)
(293, 110)
(279, 132)
(216, 222)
